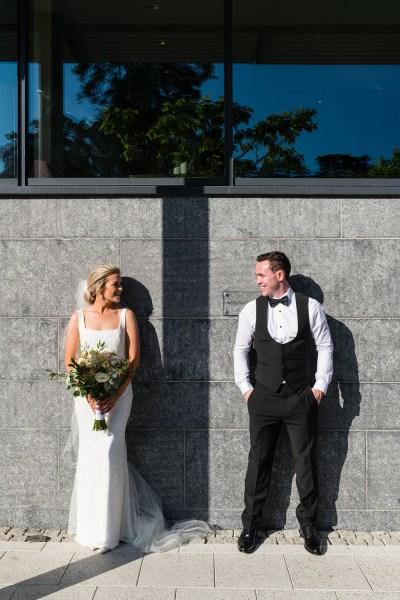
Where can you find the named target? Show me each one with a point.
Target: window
(316, 89)
(126, 89)
(8, 92)
(227, 93)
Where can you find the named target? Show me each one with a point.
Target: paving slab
(70, 547)
(122, 565)
(22, 546)
(392, 550)
(7, 591)
(355, 551)
(132, 593)
(214, 594)
(33, 567)
(177, 570)
(295, 595)
(251, 571)
(326, 572)
(54, 592)
(368, 595)
(383, 574)
(208, 549)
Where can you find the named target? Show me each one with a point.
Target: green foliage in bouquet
(96, 372)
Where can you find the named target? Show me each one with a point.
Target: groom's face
(267, 280)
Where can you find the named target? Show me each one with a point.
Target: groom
(283, 327)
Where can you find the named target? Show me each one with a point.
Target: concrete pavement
(202, 571)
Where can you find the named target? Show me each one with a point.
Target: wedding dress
(111, 502)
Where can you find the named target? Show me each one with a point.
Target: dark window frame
(228, 185)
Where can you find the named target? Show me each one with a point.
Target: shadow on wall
(168, 431)
(336, 414)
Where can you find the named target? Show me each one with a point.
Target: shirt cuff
(321, 385)
(245, 387)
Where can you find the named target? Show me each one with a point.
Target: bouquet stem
(99, 422)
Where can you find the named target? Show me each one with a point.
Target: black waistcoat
(283, 362)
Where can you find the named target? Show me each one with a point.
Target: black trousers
(268, 410)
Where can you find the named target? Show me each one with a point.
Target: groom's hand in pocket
(247, 394)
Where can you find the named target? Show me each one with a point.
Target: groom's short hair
(277, 261)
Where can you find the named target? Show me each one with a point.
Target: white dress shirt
(283, 326)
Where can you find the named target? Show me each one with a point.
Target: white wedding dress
(111, 502)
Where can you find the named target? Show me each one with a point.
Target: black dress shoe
(312, 541)
(247, 541)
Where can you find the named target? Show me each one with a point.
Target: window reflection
(135, 93)
(321, 89)
(8, 92)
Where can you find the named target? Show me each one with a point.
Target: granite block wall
(188, 264)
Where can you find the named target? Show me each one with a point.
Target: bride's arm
(72, 340)
(71, 350)
(133, 349)
(132, 340)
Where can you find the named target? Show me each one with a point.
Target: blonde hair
(96, 280)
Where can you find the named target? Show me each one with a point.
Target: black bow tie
(274, 301)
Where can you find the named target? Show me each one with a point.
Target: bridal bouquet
(98, 373)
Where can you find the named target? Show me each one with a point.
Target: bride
(111, 502)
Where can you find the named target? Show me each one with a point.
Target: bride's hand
(107, 404)
(92, 403)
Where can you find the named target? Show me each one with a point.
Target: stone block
(30, 467)
(23, 567)
(212, 594)
(245, 571)
(159, 457)
(35, 516)
(120, 217)
(55, 592)
(244, 218)
(34, 404)
(66, 469)
(215, 466)
(383, 464)
(360, 406)
(177, 570)
(33, 218)
(234, 301)
(383, 574)
(42, 275)
(350, 274)
(208, 349)
(193, 405)
(371, 217)
(189, 277)
(27, 348)
(88, 568)
(359, 519)
(175, 272)
(161, 343)
(132, 593)
(295, 595)
(7, 591)
(232, 267)
(355, 356)
(329, 572)
(341, 470)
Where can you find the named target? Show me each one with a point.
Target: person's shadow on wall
(336, 413)
(137, 297)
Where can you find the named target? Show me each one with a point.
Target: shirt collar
(289, 294)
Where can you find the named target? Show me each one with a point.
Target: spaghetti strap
(81, 319)
(122, 320)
